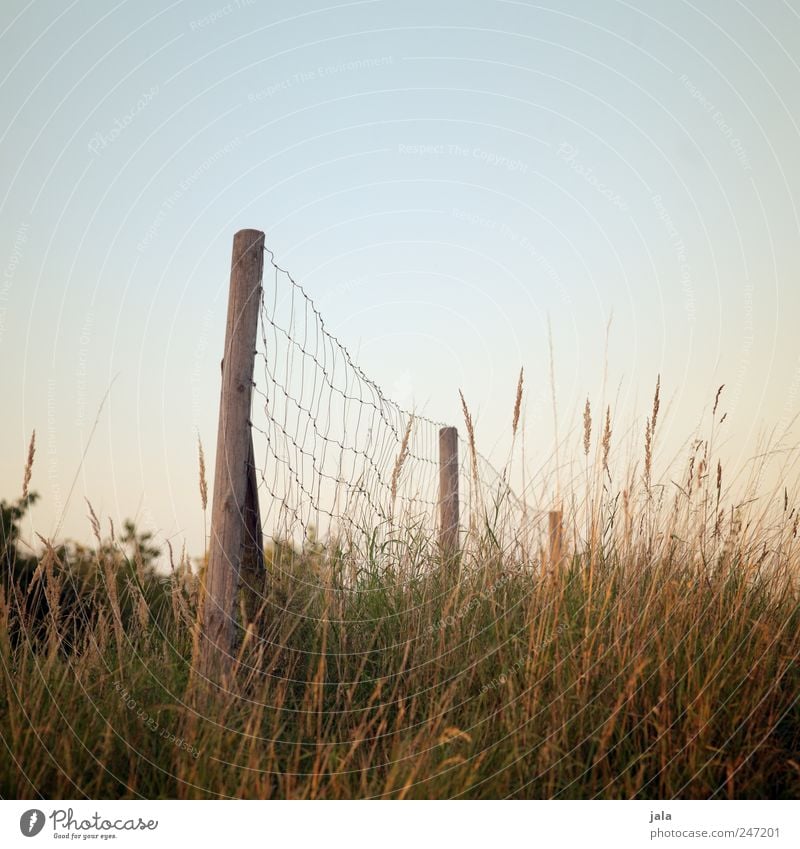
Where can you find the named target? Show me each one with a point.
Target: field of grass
(658, 659)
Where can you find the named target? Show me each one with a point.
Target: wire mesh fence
(338, 462)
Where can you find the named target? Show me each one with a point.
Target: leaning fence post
(556, 538)
(231, 469)
(448, 492)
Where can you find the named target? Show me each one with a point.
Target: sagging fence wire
(336, 459)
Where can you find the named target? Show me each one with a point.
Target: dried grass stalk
(26, 479)
(607, 440)
(517, 404)
(470, 438)
(401, 458)
(587, 428)
(203, 483)
(94, 521)
(656, 405)
(716, 399)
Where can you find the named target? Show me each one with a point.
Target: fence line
(336, 456)
(313, 457)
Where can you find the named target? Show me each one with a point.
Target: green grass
(616, 678)
(658, 659)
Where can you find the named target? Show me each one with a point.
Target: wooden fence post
(556, 538)
(233, 466)
(251, 571)
(448, 492)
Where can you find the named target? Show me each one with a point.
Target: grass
(657, 659)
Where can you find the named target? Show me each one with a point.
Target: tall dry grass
(659, 659)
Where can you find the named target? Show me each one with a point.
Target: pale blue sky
(441, 176)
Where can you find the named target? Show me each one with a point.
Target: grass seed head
(517, 405)
(203, 483)
(716, 399)
(26, 479)
(607, 439)
(656, 405)
(401, 457)
(587, 427)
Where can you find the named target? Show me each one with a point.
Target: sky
(454, 183)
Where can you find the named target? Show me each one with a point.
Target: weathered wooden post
(231, 518)
(556, 538)
(251, 570)
(448, 492)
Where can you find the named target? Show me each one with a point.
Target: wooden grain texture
(448, 492)
(228, 511)
(252, 571)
